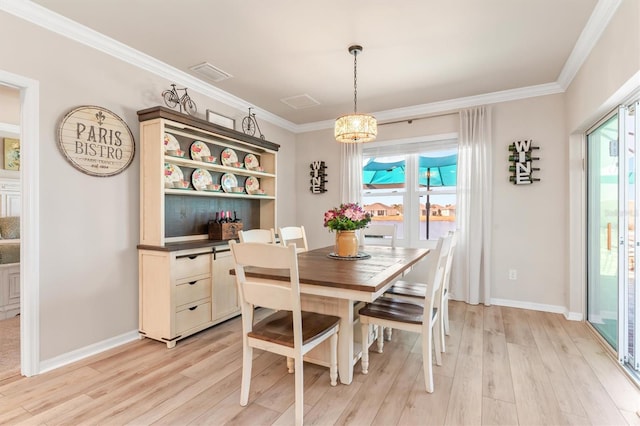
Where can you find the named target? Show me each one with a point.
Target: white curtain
(351, 188)
(472, 281)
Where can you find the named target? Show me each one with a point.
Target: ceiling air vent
(300, 101)
(210, 72)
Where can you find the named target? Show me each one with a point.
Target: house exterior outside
(380, 209)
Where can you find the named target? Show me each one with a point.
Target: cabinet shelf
(195, 193)
(185, 162)
(175, 214)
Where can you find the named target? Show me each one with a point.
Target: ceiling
(415, 51)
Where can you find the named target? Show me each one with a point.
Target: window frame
(411, 149)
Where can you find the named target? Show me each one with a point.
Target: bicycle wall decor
(250, 124)
(172, 99)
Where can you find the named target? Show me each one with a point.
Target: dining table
(338, 286)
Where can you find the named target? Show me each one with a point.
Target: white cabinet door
(225, 294)
(10, 200)
(13, 204)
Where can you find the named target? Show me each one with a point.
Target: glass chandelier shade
(355, 128)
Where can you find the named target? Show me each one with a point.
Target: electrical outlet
(513, 274)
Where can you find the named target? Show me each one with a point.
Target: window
(416, 189)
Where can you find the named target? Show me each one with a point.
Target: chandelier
(355, 128)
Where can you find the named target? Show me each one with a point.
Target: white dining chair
(404, 315)
(267, 236)
(412, 288)
(379, 235)
(289, 331)
(294, 234)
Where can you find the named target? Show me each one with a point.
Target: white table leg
(345, 341)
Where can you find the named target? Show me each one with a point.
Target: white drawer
(191, 291)
(189, 266)
(193, 316)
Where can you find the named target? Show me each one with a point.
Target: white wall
(89, 225)
(529, 220)
(9, 105)
(317, 146)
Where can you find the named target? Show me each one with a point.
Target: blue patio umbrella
(442, 170)
(378, 174)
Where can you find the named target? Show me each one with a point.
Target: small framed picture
(222, 120)
(11, 154)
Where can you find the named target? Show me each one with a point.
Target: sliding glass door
(602, 236)
(611, 232)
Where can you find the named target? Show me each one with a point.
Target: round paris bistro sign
(96, 141)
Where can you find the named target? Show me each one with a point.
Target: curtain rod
(411, 120)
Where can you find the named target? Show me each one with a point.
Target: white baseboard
(87, 351)
(574, 316)
(571, 316)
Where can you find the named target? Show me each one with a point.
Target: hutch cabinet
(184, 280)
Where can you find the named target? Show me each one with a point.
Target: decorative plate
(200, 179)
(199, 149)
(251, 184)
(228, 157)
(251, 162)
(228, 182)
(170, 142)
(172, 173)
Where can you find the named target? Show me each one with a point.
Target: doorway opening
(29, 136)
(9, 238)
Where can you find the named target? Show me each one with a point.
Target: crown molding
(45, 18)
(449, 105)
(597, 23)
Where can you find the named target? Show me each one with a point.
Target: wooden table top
(368, 275)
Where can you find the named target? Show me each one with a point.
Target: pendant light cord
(355, 82)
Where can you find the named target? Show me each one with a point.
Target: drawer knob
(193, 257)
(192, 282)
(193, 308)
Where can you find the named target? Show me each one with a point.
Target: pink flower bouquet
(347, 217)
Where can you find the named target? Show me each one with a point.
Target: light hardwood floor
(503, 366)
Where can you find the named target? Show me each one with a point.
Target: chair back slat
(257, 236)
(273, 294)
(424, 272)
(268, 294)
(294, 234)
